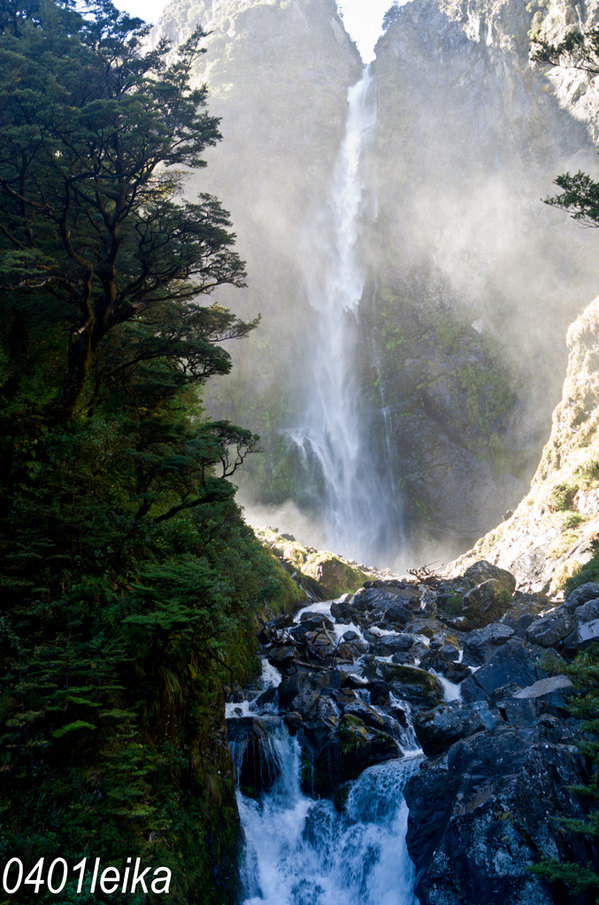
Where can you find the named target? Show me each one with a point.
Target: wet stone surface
(461, 672)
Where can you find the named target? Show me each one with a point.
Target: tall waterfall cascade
(332, 434)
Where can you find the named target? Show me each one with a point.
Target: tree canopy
(130, 581)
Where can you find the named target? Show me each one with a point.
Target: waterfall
(301, 851)
(362, 518)
(304, 851)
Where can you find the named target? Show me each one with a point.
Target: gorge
(182, 687)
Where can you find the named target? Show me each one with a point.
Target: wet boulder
(282, 657)
(512, 666)
(300, 691)
(490, 807)
(438, 729)
(343, 609)
(480, 644)
(256, 760)
(417, 686)
(343, 755)
(386, 645)
(438, 661)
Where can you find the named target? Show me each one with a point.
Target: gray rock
(397, 615)
(547, 696)
(392, 644)
(587, 612)
(481, 643)
(483, 571)
(480, 815)
(585, 634)
(512, 666)
(350, 635)
(438, 729)
(485, 603)
(415, 685)
(582, 594)
(551, 629)
(435, 659)
(257, 764)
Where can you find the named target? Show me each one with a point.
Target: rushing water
(303, 852)
(335, 441)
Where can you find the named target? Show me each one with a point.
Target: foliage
(578, 50)
(588, 572)
(583, 877)
(130, 582)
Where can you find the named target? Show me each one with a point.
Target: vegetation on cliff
(130, 581)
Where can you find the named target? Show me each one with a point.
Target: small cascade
(361, 513)
(305, 851)
(301, 851)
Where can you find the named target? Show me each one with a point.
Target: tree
(96, 134)
(129, 580)
(578, 50)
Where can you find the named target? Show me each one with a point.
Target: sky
(363, 18)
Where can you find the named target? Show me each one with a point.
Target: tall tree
(96, 134)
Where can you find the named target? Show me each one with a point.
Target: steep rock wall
(551, 533)
(473, 283)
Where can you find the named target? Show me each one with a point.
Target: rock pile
(468, 673)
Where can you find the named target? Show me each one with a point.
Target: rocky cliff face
(473, 285)
(552, 533)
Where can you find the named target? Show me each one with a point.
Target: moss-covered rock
(323, 573)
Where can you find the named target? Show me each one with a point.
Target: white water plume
(303, 852)
(334, 439)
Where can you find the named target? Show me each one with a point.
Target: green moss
(588, 572)
(561, 497)
(455, 605)
(489, 398)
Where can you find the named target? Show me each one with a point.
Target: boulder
(412, 684)
(437, 660)
(582, 594)
(438, 729)
(255, 756)
(585, 634)
(397, 615)
(343, 755)
(481, 643)
(552, 628)
(548, 695)
(513, 666)
(387, 645)
(483, 571)
(485, 603)
(490, 807)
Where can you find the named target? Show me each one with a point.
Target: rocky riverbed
(467, 673)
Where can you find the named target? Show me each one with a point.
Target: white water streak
(331, 434)
(302, 852)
